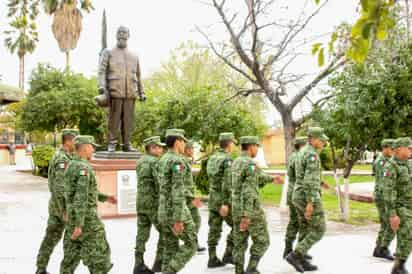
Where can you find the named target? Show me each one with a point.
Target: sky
(157, 27)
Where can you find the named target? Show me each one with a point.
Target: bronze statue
(120, 82)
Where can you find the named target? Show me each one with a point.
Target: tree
(190, 92)
(23, 36)
(67, 22)
(266, 47)
(58, 100)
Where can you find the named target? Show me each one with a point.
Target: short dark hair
(170, 141)
(66, 138)
(245, 146)
(224, 143)
(297, 147)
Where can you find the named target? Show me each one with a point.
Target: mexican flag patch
(386, 173)
(62, 165)
(178, 168)
(313, 158)
(382, 162)
(83, 172)
(252, 168)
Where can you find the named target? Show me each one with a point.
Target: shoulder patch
(252, 167)
(83, 172)
(386, 173)
(313, 157)
(178, 167)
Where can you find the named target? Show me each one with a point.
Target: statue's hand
(143, 98)
(102, 90)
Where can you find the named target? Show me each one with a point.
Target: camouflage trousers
(54, 233)
(194, 212)
(92, 248)
(176, 256)
(259, 234)
(215, 231)
(404, 235)
(386, 234)
(144, 225)
(313, 229)
(293, 228)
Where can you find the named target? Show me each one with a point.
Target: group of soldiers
(166, 200)
(393, 198)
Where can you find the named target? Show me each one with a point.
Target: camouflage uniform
(247, 178)
(386, 234)
(147, 204)
(308, 189)
(57, 208)
(82, 195)
(172, 209)
(219, 168)
(190, 193)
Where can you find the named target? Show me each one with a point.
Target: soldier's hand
(244, 224)
(112, 200)
(277, 180)
(395, 222)
(196, 202)
(76, 233)
(309, 211)
(224, 210)
(178, 228)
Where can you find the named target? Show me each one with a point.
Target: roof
(10, 94)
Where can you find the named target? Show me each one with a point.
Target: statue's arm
(102, 71)
(140, 89)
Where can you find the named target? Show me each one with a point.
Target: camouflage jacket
(172, 190)
(291, 171)
(57, 167)
(81, 196)
(378, 165)
(219, 172)
(188, 179)
(247, 178)
(397, 186)
(147, 184)
(308, 182)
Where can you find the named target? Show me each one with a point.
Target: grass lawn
(360, 167)
(360, 213)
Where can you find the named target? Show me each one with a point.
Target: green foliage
(57, 100)
(190, 92)
(326, 159)
(42, 155)
(201, 179)
(51, 6)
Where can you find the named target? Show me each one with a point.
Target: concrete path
(23, 215)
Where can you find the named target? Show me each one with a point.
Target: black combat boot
(252, 266)
(42, 271)
(228, 258)
(288, 249)
(296, 261)
(307, 266)
(142, 269)
(399, 267)
(307, 257)
(214, 262)
(157, 266)
(386, 254)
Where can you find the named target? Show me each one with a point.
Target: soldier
(57, 207)
(307, 199)
(293, 225)
(85, 237)
(147, 203)
(398, 196)
(174, 215)
(120, 81)
(193, 203)
(248, 216)
(386, 234)
(219, 169)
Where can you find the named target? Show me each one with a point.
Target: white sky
(157, 27)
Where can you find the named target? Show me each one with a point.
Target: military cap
(153, 140)
(227, 136)
(387, 142)
(70, 131)
(249, 140)
(318, 132)
(402, 142)
(176, 132)
(301, 140)
(84, 139)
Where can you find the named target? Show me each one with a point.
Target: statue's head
(122, 35)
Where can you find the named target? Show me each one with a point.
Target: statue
(120, 85)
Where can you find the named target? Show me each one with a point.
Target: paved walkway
(23, 214)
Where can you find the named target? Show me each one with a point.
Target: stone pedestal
(116, 175)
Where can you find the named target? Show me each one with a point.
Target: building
(273, 144)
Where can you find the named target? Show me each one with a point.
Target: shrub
(42, 155)
(201, 179)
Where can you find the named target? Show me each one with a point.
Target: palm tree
(67, 22)
(23, 36)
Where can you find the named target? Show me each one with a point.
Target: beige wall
(274, 147)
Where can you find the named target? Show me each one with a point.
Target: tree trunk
(67, 61)
(21, 72)
(337, 181)
(288, 133)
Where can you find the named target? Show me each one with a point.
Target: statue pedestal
(116, 175)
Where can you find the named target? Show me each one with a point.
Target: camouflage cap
(301, 140)
(176, 132)
(85, 139)
(249, 140)
(402, 142)
(387, 142)
(318, 132)
(227, 136)
(153, 140)
(70, 131)
(190, 143)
